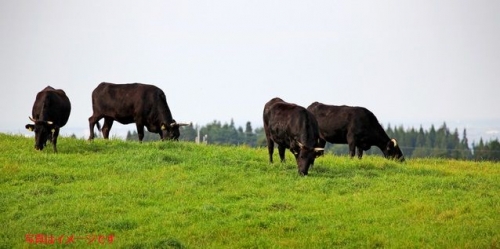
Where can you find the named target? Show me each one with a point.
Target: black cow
(291, 126)
(50, 112)
(356, 126)
(142, 104)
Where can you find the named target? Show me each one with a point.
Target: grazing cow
(50, 112)
(142, 104)
(356, 126)
(291, 126)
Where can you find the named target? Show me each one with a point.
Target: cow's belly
(124, 120)
(335, 138)
(281, 141)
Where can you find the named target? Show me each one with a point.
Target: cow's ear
(30, 127)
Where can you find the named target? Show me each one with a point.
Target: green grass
(183, 195)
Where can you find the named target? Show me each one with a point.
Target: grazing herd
(303, 131)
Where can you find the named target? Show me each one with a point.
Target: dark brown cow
(50, 112)
(142, 104)
(355, 126)
(291, 126)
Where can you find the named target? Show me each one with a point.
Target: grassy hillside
(183, 195)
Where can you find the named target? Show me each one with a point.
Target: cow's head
(44, 131)
(171, 131)
(393, 151)
(305, 157)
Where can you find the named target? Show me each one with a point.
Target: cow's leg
(91, 127)
(270, 149)
(352, 151)
(49, 137)
(92, 121)
(55, 134)
(281, 150)
(106, 127)
(360, 152)
(352, 144)
(140, 131)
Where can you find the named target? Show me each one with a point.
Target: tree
(454, 146)
(440, 148)
(487, 151)
(188, 133)
(260, 135)
(464, 146)
(494, 153)
(420, 138)
(250, 137)
(431, 138)
(480, 151)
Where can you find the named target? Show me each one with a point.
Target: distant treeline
(441, 142)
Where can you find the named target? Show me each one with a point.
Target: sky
(409, 62)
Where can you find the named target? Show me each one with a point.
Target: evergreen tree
(188, 133)
(389, 131)
(420, 138)
(260, 137)
(487, 151)
(480, 151)
(431, 138)
(454, 146)
(249, 135)
(494, 150)
(440, 144)
(464, 145)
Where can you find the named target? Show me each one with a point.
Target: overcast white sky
(407, 61)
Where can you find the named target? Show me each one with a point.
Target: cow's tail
(98, 126)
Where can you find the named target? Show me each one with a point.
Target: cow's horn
(50, 122)
(173, 124)
(184, 124)
(395, 142)
(319, 149)
(32, 120)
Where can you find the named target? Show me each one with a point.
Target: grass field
(121, 194)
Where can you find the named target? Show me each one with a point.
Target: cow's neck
(382, 144)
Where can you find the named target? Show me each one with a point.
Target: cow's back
(52, 105)
(335, 122)
(110, 95)
(268, 109)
